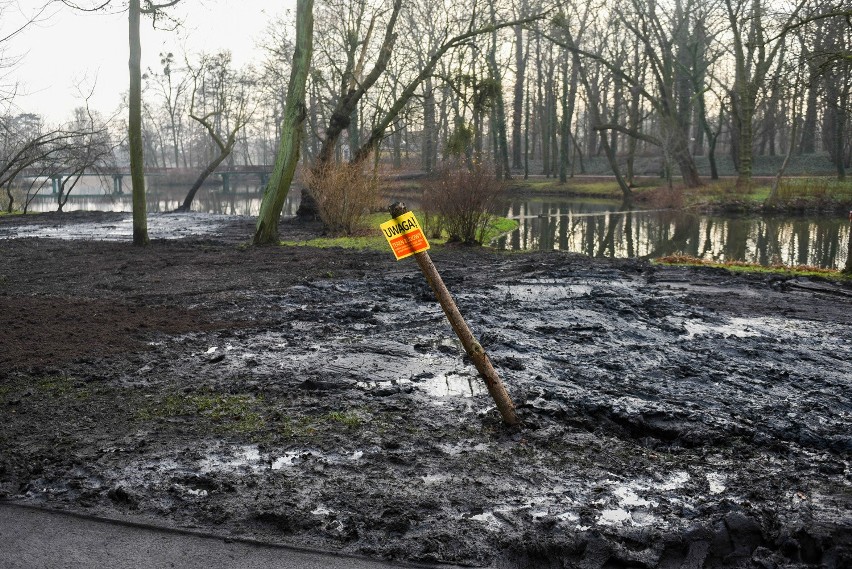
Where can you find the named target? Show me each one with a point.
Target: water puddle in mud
(542, 290)
(249, 459)
(120, 228)
(617, 503)
(438, 385)
(736, 327)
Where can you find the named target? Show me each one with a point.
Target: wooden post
(473, 348)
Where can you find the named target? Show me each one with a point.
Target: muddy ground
(672, 417)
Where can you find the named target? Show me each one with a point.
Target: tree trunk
(187, 202)
(569, 92)
(292, 128)
(518, 102)
(502, 149)
(809, 127)
(427, 146)
(527, 126)
(134, 125)
(745, 121)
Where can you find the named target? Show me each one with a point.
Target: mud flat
(672, 417)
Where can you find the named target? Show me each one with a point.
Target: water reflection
(603, 229)
(593, 227)
(241, 199)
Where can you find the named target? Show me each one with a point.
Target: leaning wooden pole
(473, 348)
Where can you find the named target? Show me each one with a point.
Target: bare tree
(88, 150)
(266, 231)
(221, 102)
(172, 87)
(135, 10)
(755, 51)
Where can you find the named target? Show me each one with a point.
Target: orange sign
(404, 235)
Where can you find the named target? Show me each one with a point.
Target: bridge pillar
(264, 179)
(117, 189)
(57, 182)
(226, 182)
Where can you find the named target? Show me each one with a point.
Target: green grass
(230, 413)
(596, 188)
(754, 268)
(581, 187)
(247, 414)
(793, 193)
(305, 426)
(373, 239)
(815, 189)
(499, 226)
(348, 419)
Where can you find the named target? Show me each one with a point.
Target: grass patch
(306, 426)
(375, 241)
(248, 414)
(753, 268)
(725, 192)
(573, 187)
(814, 190)
(794, 194)
(348, 419)
(230, 413)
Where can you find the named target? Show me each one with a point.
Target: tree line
(533, 87)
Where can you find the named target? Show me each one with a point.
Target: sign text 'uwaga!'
(404, 236)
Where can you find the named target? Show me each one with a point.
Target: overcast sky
(92, 48)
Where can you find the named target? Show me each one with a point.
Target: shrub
(345, 196)
(461, 201)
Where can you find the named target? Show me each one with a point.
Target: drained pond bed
(672, 417)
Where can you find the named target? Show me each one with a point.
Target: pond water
(242, 198)
(593, 227)
(603, 229)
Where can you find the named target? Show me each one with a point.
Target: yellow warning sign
(404, 235)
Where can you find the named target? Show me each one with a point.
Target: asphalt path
(32, 538)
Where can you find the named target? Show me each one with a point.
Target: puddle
(737, 327)
(452, 385)
(614, 516)
(120, 228)
(675, 481)
(289, 460)
(537, 290)
(249, 459)
(243, 458)
(716, 481)
(459, 448)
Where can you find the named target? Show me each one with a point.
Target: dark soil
(672, 417)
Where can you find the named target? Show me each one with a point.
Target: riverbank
(796, 196)
(317, 397)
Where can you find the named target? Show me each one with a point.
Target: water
(597, 228)
(603, 229)
(243, 198)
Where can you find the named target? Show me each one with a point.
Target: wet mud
(671, 417)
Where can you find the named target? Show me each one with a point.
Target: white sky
(72, 47)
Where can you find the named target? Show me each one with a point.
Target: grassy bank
(753, 268)
(795, 195)
(372, 237)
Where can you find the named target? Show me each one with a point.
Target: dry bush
(664, 197)
(461, 200)
(345, 196)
